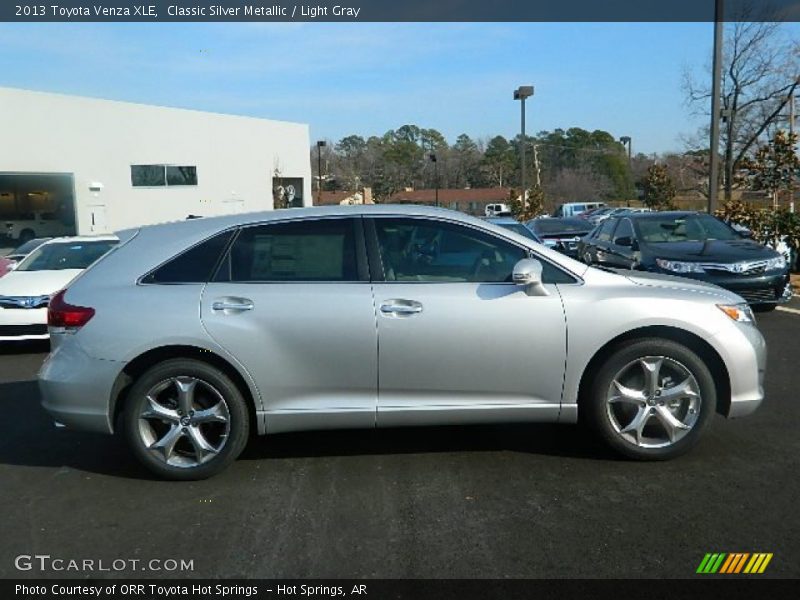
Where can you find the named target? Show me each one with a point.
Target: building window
(162, 175)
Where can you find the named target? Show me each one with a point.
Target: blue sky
(367, 78)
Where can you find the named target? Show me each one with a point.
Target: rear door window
(301, 251)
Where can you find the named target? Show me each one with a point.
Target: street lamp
(320, 145)
(522, 92)
(435, 162)
(625, 140)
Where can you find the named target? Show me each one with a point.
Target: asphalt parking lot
(489, 502)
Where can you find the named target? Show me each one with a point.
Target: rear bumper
(76, 388)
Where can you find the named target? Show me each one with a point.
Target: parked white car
(39, 225)
(25, 291)
(496, 210)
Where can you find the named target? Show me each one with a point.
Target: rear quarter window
(195, 265)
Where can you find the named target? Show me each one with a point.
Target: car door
(292, 302)
(458, 341)
(602, 242)
(621, 252)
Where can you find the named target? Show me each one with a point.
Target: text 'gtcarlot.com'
(45, 562)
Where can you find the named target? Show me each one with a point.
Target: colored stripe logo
(734, 563)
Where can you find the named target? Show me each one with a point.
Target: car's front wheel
(651, 400)
(185, 419)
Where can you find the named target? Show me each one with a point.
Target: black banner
(395, 10)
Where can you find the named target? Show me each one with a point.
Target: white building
(98, 166)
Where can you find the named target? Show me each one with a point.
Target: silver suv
(190, 335)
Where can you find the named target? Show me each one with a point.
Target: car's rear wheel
(652, 399)
(185, 419)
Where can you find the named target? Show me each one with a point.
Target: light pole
(625, 140)
(522, 92)
(320, 145)
(716, 92)
(435, 162)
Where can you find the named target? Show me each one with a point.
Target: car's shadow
(28, 437)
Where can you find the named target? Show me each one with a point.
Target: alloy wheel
(653, 402)
(184, 421)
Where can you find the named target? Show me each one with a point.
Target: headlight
(741, 313)
(779, 262)
(677, 266)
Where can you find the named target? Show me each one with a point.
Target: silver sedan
(188, 336)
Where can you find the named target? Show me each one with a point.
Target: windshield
(65, 255)
(684, 228)
(520, 229)
(29, 246)
(546, 226)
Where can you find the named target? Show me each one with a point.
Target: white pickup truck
(38, 225)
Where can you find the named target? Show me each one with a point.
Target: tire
(633, 419)
(25, 236)
(186, 436)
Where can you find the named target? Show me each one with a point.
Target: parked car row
(683, 243)
(692, 245)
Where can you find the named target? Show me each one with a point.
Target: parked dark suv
(692, 245)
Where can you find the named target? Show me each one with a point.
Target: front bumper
(76, 388)
(744, 352)
(21, 324)
(773, 288)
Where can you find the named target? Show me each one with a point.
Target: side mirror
(528, 273)
(625, 241)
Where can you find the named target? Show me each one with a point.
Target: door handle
(241, 304)
(401, 307)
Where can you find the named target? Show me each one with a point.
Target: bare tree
(578, 184)
(760, 73)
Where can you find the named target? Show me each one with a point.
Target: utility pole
(626, 140)
(791, 137)
(320, 145)
(716, 92)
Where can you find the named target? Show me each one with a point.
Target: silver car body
(327, 355)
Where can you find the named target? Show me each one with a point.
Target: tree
(578, 184)
(760, 71)
(466, 158)
(498, 160)
(774, 167)
(532, 208)
(659, 191)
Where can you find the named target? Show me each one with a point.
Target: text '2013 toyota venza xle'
(188, 336)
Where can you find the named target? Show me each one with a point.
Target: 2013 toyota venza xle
(189, 336)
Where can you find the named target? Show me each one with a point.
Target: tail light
(63, 314)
